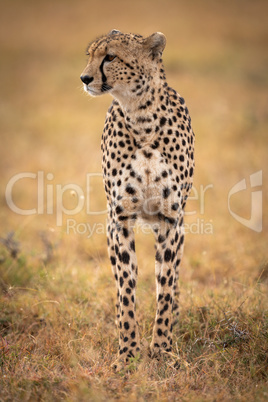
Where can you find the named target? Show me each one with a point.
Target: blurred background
(216, 58)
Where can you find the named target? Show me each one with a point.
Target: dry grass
(57, 331)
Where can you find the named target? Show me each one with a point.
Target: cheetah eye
(109, 57)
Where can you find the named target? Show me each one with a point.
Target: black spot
(130, 190)
(113, 260)
(158, 257)
(121, 280)
(125, 257)
(142, 107)
(167, 255)
(125, 232)
(161, 239)
(166, 140)
(159, 332)
(170, 282)
(125, 301)
(123, 218)
(175, 206)
(132, 245)
(147, 154)
(114, 172)
(155, 145)
(163, 280)
(118, 209)
(133, 334)
(126, 325)
(131, 283)
(131, 314)
(166, 192)
(163, 121)
(116, 249)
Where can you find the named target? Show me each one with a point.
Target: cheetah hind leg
(175, 306)
(169, 245)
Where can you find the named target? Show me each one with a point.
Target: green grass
(57, 332)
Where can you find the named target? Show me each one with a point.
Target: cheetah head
(122, 64)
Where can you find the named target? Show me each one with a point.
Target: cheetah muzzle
(148, 165)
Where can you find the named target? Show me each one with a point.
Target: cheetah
(148, 165)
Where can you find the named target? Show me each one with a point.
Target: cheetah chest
(148, 189)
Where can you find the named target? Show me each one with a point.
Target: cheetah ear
(114, 32)
(155, 44)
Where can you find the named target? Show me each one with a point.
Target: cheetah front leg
(112, 256)
(124, 263)
(169, 246)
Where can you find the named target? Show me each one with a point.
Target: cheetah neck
(142, 112)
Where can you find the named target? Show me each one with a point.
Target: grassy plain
(57, 331)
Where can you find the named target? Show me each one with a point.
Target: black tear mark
(103, 76)
(105, 87)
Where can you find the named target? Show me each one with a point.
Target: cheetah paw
(118, 365)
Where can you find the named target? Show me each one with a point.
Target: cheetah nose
(86, 79)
